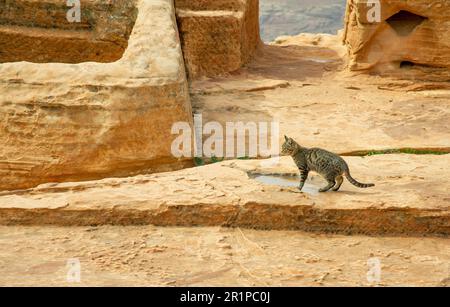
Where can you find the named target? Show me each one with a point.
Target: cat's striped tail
(356, 183)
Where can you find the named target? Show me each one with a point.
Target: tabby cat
(327, 164)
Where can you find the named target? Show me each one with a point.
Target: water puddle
(287, 181)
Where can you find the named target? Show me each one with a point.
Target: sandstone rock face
(412, 37)
(61, 122)
(217, 36)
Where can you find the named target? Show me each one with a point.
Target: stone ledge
(224, 195)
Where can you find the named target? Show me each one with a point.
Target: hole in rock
(40, 31)
(409, 64)
(406, 64)
(404, 22)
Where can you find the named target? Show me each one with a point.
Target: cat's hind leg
(339, 181)
(331, 184)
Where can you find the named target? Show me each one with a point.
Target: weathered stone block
(61, 122)
(217, 36)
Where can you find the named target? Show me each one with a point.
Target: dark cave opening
(404, 22)
(406, 64)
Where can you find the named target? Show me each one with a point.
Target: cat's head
(289, 146)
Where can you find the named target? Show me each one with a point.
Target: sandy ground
(301, 83)
(154, 256)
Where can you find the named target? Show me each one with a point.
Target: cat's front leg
(303, 176)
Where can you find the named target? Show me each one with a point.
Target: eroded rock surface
(410, 41)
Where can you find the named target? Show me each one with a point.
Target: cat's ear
(286, 138)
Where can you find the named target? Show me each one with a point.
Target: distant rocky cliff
(291, 17)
